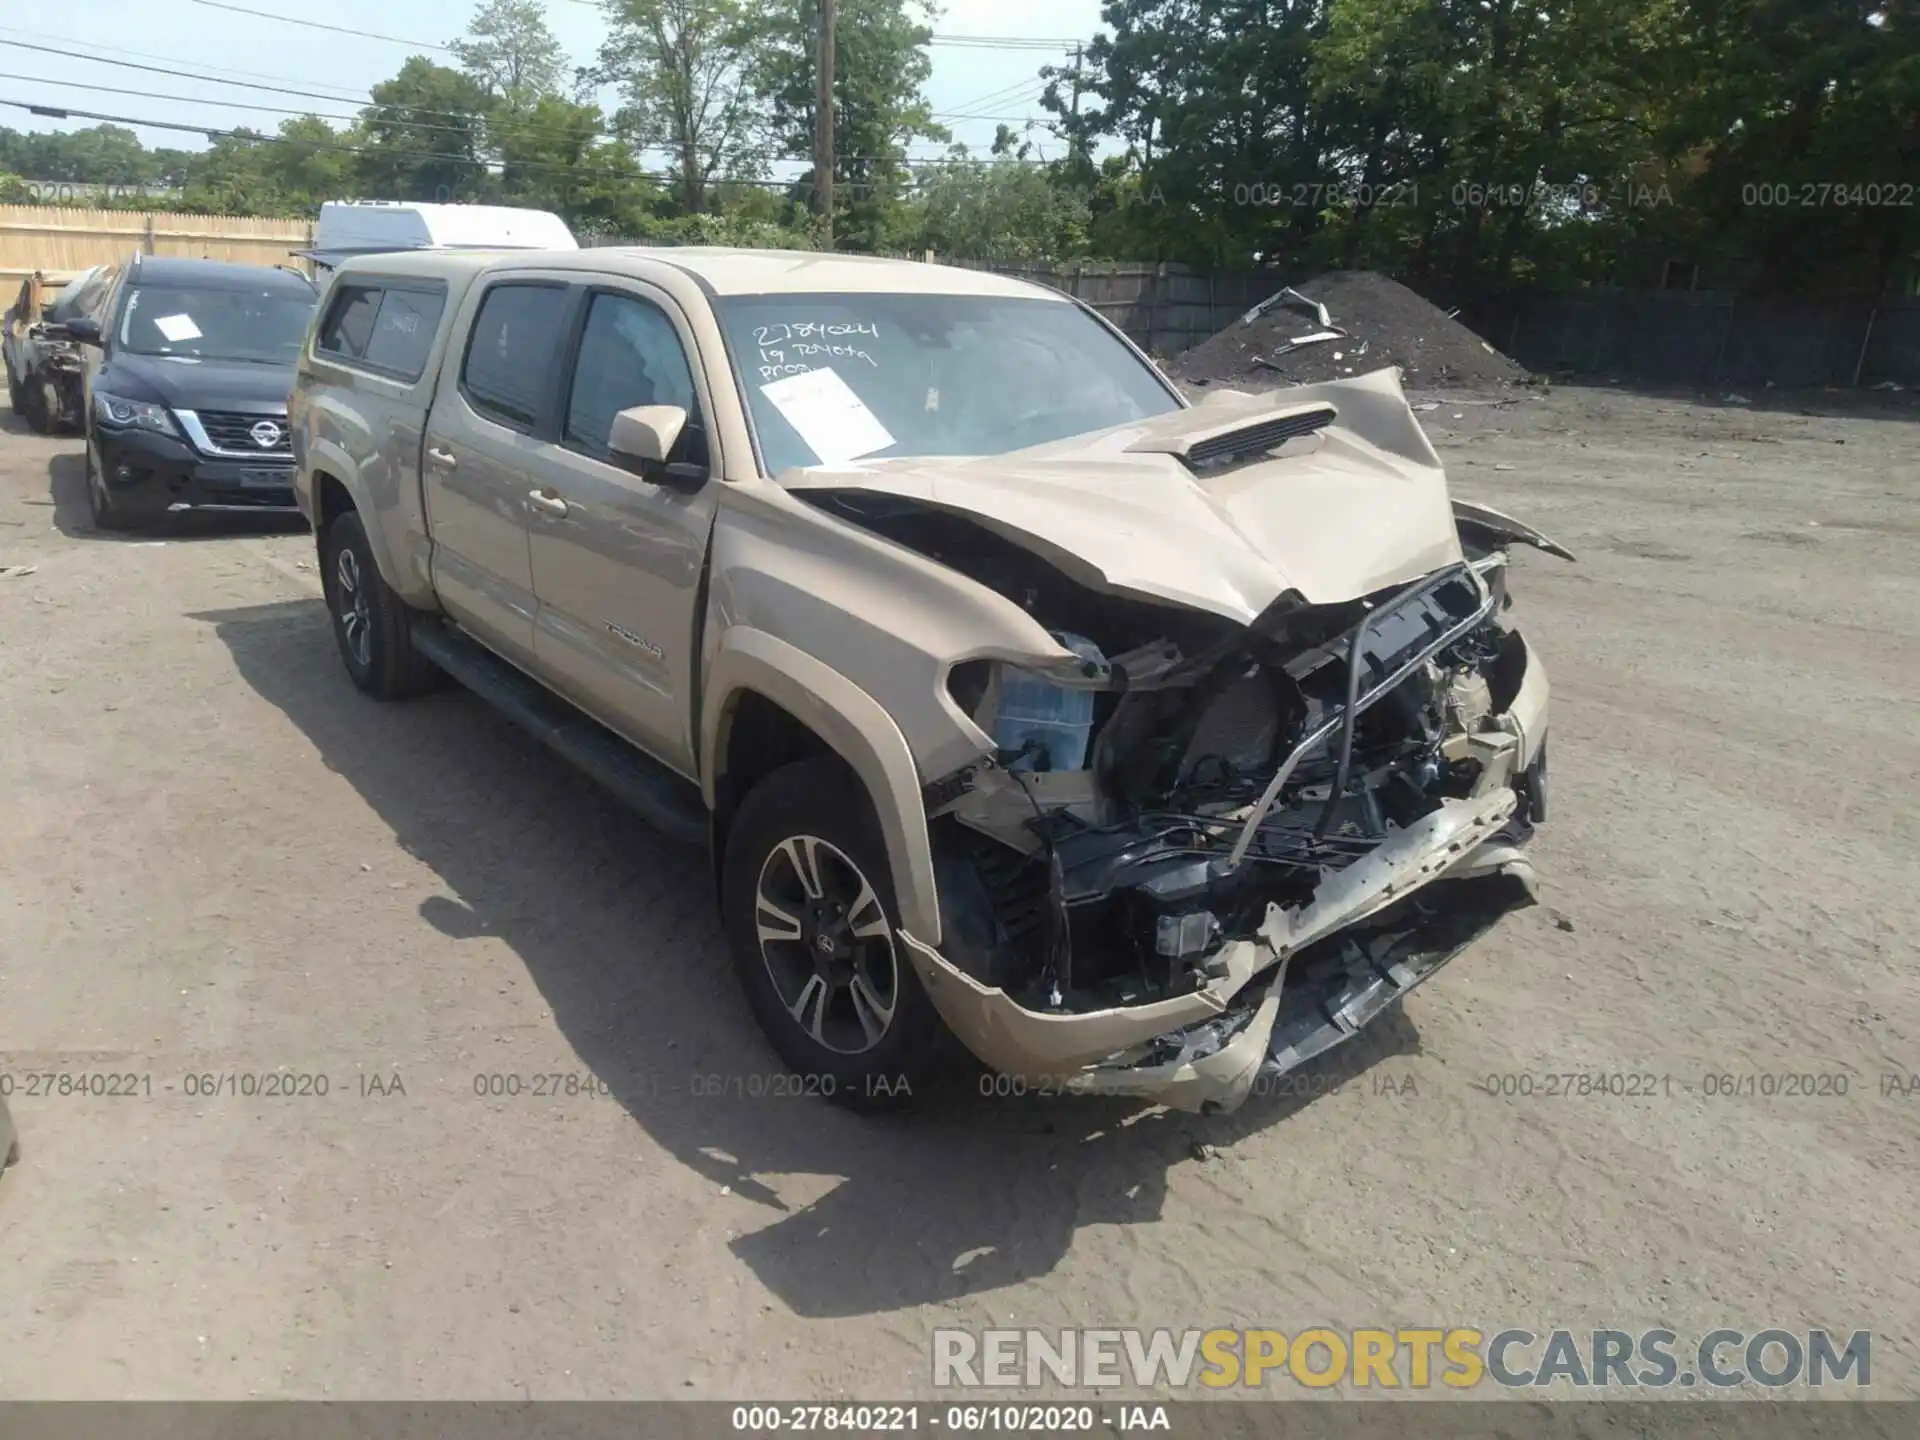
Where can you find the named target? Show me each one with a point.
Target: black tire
(371, 624)
(107, 512)
(39, 415)
(816, 808)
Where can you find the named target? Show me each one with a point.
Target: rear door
(617, 559)
(493, 416)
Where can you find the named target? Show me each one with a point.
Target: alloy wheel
(827, 944)
(353, 606)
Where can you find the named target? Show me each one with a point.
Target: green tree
(1798, 116)
(511, 54)
(555, 156)
(999, 210)
(880, 71)
(98, 155)
(682, 68)
(424, 136)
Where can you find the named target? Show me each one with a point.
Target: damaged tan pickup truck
(1145, 748)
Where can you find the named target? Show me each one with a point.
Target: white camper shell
(376, 227)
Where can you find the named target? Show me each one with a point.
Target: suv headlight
(112, 410)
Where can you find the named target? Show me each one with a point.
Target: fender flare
(857, 728)
(407, 580)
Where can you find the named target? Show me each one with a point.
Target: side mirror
(646, 433)
(85, 329)
(643, 437)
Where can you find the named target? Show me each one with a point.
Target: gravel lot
(219, 861)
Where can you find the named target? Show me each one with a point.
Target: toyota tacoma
(1143, 747)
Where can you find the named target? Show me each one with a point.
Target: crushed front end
(1268, 834)
(1235, 746)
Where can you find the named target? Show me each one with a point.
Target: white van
(376, 227)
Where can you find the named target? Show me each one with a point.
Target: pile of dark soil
(1387, 324)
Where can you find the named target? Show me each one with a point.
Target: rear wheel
(813, 927)
(371, 624)
(39, 408)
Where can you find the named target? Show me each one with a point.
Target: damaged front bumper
(1314, 975)
(1283, 999)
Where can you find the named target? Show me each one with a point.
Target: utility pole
(1073, 132)
(823, 123)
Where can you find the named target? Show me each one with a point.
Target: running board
(666, 801)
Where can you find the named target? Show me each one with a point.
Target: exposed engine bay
(1138, 818)
(1267, 757)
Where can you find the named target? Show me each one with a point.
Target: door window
(630, 355)
(511, 357)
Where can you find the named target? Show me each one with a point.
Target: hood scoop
(1207, 449)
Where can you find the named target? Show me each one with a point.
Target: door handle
(445, 459)
(546, 504)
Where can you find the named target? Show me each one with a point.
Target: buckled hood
(1329, 491)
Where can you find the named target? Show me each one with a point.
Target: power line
(1005, 95)
(223, 104)
(204, 79)
(237, 77)
(62, 112)
(404, 114)
(317, 25)
(369, 103)
(978, 42)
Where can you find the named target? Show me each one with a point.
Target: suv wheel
(371, 624)
(810, 918)
(106, 511)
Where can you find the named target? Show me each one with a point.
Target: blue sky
(196, 36)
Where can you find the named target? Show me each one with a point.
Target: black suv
(188, 369)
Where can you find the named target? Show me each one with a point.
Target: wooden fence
(62, 238)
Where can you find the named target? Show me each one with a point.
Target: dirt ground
(218, 860)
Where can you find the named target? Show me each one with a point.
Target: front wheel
(371, 624)
(810, 917)
(107, 512)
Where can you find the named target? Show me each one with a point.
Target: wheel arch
(770, 704)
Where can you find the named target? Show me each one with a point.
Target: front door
(617, 560)
(482, 459)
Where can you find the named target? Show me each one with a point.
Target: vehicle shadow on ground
(616, 927)
(67, 486)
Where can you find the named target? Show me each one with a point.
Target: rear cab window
(386, 326)
(507, 374)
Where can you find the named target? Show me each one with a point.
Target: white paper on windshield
(177, 328)
(835, 422)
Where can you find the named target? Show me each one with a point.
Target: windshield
(832, 378)
(240, 324)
